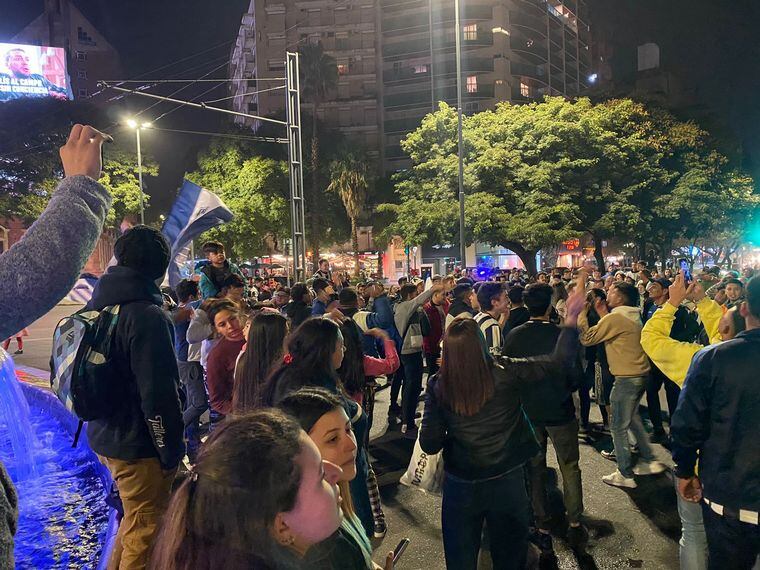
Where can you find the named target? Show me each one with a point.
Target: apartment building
(347, 30)
(396, 59)
(512, 50)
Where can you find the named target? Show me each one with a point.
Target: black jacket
(149, 422)
(458, 307)
(297, 312)
(716, 421)
(518, 316)
(499, 437)
(549, 401)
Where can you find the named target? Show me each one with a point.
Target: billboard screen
(33, 71)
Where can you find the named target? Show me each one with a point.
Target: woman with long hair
(322, 415)
(314, 353)
(260, 497)
(473, 414)
(220, 366)
(559, 300)
(263, 350)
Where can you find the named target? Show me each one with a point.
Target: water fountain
(63, 517)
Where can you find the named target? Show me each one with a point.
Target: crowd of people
(280, 475)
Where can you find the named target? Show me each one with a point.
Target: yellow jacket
(671, 356)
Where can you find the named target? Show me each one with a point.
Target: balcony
(532, 49)
(421, 99)
(537, 72)
(402, 125)
(469, 14)
(528, 22)
(407, 23)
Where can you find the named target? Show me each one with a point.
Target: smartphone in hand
(685, 268)
(400, 548)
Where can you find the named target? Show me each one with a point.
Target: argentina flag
(195, 211)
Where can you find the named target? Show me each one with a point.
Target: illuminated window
(470, 32)
(81, 56)
(342, 69)
(524, 89)
(423, 68)
(472, 84)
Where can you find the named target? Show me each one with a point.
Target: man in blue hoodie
(141, 443)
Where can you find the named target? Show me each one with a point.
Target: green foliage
(255, 189)
(537, 174)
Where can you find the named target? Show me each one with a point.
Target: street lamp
(460, 144)
(132, 124)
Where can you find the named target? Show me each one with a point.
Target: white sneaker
(617, 479)
(649, 468)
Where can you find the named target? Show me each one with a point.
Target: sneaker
(649, 468)
(19, 351)
(409, 432)
(543, 540)
(577, 536)
(617, 479)
(609, 454)
(380, 529)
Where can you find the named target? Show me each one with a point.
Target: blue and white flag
(195, 211)
(81, 293)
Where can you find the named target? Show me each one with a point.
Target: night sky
(711, 45)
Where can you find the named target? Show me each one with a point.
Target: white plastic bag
(425, 471)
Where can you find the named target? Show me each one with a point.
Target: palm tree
(349, 179)
(319, 76)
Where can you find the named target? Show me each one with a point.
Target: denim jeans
(565, 441)
(413, 369)
(693, 544)
(196, 401)
(625, 397)
(501, 503)
(732, 544)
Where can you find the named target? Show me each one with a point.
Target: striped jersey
(491, 330)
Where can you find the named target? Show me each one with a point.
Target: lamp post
(460, 144)
(132, 124)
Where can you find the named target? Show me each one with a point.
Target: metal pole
(139, 175)
(460, 148)
(432, 57)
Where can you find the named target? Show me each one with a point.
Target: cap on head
(143, 249)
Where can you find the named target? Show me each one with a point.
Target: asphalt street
(636, 528)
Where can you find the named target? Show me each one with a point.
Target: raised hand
(81, 154)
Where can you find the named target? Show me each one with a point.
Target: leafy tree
(540, 173)
(319, 76)
(350, 179)
(255, 189)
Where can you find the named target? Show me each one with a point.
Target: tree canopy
(255, 188)
(537, 174)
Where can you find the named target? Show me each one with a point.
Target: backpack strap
(79, 433)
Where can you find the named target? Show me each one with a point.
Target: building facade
(90, 58)
(512, 50)
(347, 30)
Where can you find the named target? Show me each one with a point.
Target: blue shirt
(318, 308)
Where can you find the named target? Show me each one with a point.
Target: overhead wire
(246, 94)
